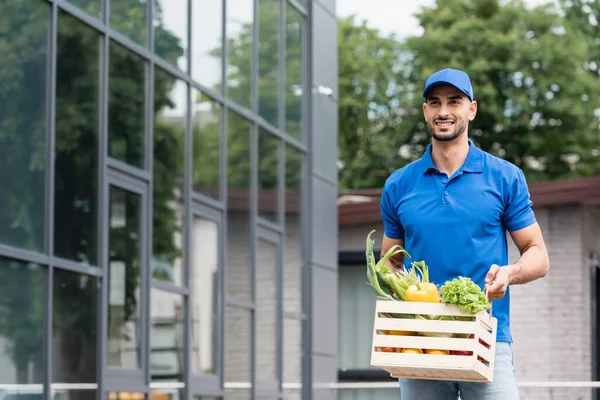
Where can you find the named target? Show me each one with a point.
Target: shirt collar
(473, 163)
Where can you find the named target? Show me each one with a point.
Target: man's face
(448, 112)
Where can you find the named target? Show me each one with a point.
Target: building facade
(554, 320)
(168, 225)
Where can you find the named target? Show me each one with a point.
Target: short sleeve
(518, 213)
(392, 226)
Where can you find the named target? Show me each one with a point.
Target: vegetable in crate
(467, 295)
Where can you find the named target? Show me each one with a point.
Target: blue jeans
(504, 386)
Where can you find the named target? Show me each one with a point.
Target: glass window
(204, 276)
(268, 60)
(126, 106)
(130, 18)
(293, 73)
(293, 264)
(170, 31)
(239, 262)
(74, 330)
(91, 7)
(23, 122)
(206, 120)
(126, 396)
(238, 353)
(240, 21)
(207, 43)
(292, 359)
(166, 336)
(268, 176)
(266, 311)
(76, 151)
(22, 303)
(166, 394)
(124, 280)
(170, 98)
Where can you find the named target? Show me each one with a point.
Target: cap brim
(438, 83)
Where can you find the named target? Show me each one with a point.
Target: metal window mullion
(305, 218)
(254, 68)
(279, 315)
(79, 268)
(188, 220)
(253, 251)
(299, 7)
(23, 255)
(224, 58)
(282, 63)
(49, 228)
(103, 204)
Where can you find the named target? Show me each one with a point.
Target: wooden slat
(422, 342)
(380, 359)
(422, 325)
(405, 307)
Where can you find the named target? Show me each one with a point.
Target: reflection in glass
(170, 31)
(170, 99)
(124, 280)
(268, 176)
(126, 111)
(205, 288)
(76, 159)
(293, 264)
(130, 19)
(22, 303)
(292, 358)
(266, 307)
(125, 396)
(268, 60)
(206, 120)
(239, 50)
(166, 394)
(74, 329)
(238, 351)
(207, 43)
(23, 122)
(91, 7)
(166, 336)
(293, 73)
(61, 393)
(239, 262)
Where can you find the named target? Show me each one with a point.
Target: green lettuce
(467, 295)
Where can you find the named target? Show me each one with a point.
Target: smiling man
(452, 209)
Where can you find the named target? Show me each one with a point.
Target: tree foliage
(529, 69)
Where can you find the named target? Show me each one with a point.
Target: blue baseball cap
(449, 76)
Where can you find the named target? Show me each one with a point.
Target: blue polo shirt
(458, 224)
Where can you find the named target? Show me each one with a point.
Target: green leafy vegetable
(467, 295)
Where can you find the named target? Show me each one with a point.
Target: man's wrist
(514, 273)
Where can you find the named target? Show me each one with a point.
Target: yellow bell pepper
(412, 351)
(425, 292)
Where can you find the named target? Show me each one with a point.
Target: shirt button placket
(446, 194)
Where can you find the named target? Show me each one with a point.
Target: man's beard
(459, 129)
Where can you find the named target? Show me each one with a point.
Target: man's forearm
(533, 264)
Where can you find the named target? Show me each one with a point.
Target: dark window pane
(166, 337)
(126, 111)
(268, 60)
(74, 345)
(240, 21)
(170, 31)
(268, 176)
(239, 262)
(76, 160)
(266, 317)
(124, 280)
(207, 43)
(91, 7)
(205, 288)
(170, 97)
(22, 303)
(23, 67)
(206, 115)
(292, 252)
(129, 17)
(238, 352)
(293, 73)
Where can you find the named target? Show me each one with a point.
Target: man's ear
(472, 110)
(425, 110)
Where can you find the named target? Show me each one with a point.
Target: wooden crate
(392, 316)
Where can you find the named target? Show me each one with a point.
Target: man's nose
(443, 112)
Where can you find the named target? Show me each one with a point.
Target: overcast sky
(391, 17)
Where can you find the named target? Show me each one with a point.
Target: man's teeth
(444, 123)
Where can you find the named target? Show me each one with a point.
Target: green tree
(536, 101)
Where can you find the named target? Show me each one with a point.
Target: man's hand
(496, 282)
